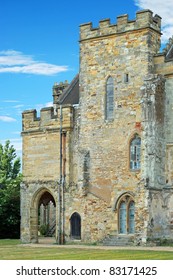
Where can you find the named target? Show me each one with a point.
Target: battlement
(48, 120)
(144, 19)
(58, 89)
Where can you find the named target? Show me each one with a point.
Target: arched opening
(46, 215)
(75, 225)
(42, 216)
(126, 215)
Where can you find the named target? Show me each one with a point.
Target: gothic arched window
(109, 108)
(126, 215)
(135, 153)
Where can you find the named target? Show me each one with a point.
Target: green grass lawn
(12, 250)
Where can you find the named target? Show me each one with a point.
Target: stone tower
(102, 160)
(123, 52)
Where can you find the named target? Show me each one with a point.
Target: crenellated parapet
(48, 120)
(144, 19)
(58, 90)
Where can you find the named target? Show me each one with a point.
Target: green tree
(10, 178)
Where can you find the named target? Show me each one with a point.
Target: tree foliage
(10, 179)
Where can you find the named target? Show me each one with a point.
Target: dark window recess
(126, 78)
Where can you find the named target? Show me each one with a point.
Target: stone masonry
(81, 161)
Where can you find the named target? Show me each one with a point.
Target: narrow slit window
(126, 78)
(109, 110)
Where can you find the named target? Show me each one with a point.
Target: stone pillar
(25, 214)
(154, 153)
(41, 214)
(154, 146)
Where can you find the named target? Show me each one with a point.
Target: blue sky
(39, 46)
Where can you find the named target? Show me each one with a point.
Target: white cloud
(11, 58)
(38, 107)
(7, 119)
(163, 9)
(12, 61)
(18, 106)
(16, 132)
(49, 104)
(11, 101)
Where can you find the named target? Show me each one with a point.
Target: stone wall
(41, 143)
(154, 152)
(31, 192)
(96, 215)
(169, 130)
(97, 150)
(154, 144)
(41, 163)
(117, 51)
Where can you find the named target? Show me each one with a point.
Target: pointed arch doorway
(75, 225)
(43, 217)
(47, 215)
